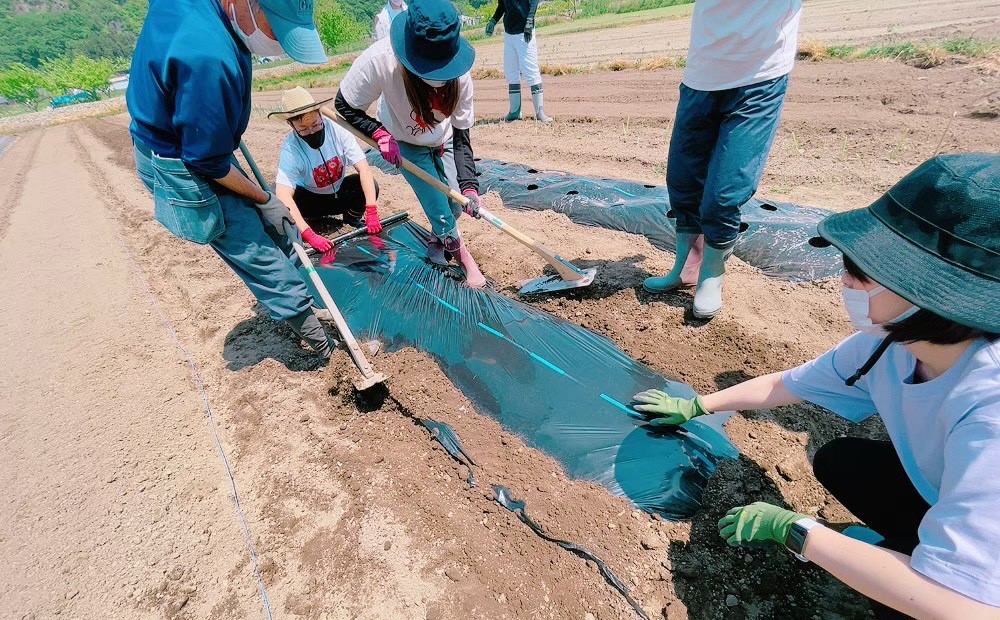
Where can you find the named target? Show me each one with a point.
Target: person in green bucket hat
(922, 287)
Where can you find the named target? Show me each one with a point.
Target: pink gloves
(388, 146)
(320, 244)
(371, 218)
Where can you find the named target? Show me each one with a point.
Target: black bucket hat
(427, 40)
(933, 239)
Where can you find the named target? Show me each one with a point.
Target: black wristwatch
(796, 540)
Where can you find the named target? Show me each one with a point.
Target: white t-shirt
(946, 432)
(375, 73)
(736, 43)
(384, 19)
(319, 171)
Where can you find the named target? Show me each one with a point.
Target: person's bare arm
(239, 183)
(287, 197)
(367, 181)
(886, 576)
(759, 393)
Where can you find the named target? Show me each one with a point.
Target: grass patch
(561, 24)
(972, 47)
(643, 64)
(308, 78)
(593, 8)
(918, 54)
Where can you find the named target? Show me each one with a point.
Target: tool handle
(345, 332)
(565, 269)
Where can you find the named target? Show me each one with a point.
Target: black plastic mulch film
(775, 236)
(561, 388)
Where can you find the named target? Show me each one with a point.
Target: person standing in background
(384, 18)
(520, 54)
(731, 97)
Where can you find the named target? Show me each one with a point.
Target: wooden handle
(345, 332)
(564, 268)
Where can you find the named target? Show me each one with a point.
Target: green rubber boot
(514, 92)
(708, 296)
(687, 263)
(538, 102)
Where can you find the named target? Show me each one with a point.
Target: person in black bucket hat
(419, 75)
(922, 286)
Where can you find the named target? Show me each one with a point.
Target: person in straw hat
(421, 74)
(922, 287)
(311, 180)
(189, 100)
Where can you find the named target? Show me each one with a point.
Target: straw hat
(296, 102)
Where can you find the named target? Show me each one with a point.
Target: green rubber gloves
(669, 411)
(758, 522)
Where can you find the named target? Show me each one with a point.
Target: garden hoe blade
(554, 283)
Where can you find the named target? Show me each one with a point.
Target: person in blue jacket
(189, 99)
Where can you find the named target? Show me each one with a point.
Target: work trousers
(520, 59)
(867, 477)
(348, 200)
(195, 209)
(440, 210)
(718, 148)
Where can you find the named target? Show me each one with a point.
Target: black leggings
(349, 201)
(867, 477)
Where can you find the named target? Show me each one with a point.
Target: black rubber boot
(307, 327)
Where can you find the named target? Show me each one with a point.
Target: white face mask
(857, 302)
(435, 83)
(257, 42)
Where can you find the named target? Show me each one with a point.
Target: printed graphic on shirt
(328, 173)
(437, 108)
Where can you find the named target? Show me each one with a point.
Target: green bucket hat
(933, 239)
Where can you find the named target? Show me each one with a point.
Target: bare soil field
(115, 501)
(829, 21)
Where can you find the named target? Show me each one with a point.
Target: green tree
(22, 84)
(134, 13)
(86, 74)
(335, 27)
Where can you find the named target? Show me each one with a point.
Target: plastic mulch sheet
(775, 236)
(561, 388)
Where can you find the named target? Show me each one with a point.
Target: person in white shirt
(420, 77)
(384, 18)
(731, 97)
(520, 54)
(311, 180)
(922, 286)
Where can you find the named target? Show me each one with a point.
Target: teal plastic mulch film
(775, 236)
(561, 388)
